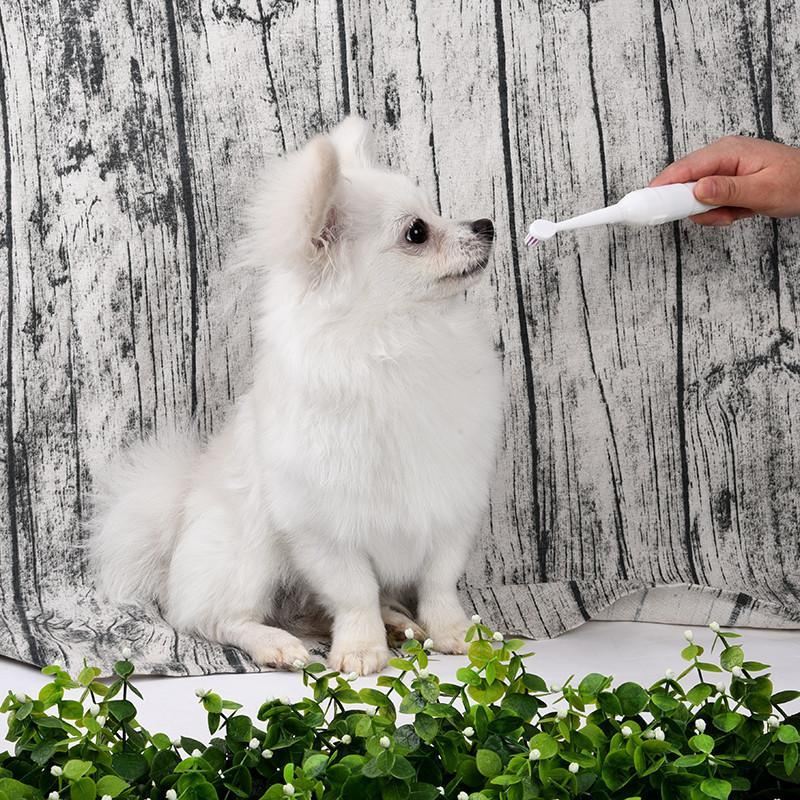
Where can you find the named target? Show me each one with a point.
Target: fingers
(719, 217)
(746, 191)
(719, 158)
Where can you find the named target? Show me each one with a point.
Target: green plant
(500, 732)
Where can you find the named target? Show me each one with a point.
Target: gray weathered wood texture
(650, 435)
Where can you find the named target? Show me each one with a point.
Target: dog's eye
(417, 232)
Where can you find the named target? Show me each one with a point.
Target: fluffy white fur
(359, 462)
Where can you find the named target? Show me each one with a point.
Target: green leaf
(402, 769)
(728, 721)
(610, 704)
(790, 758)
(480, 653)
(130, 766)
(617, 770)
(591, 685)
(16, 790)
(121, 709)
(489, 763)
(702, 743)
(700, 693)
(469, 676)
(716, 788)
(240, 728)
(754, 666)
(707, 666)
(83, 789)
(75, 769)
(412, 703)
(732, 657)
(521, 705)
(788, 734)
(426, 727)
(314, 765)
(785, 697)
(545, 744)
(111, 785)
(632, 697)
(123, 668)
(693, 760)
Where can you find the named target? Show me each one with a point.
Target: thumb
(742, 191)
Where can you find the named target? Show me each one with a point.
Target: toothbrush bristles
(531, 240)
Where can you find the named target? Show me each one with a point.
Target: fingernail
(706, 190)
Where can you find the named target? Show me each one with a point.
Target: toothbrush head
(540, 230)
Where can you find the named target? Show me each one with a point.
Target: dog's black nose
(483, 228)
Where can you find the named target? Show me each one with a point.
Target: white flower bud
(688, 635)
(94, 709)
(409, 633)
(267, 753)
(52, 796)
(765, 729)
(288, 789)
(497, 636)
(126, 653)
(573, 767)
(476, 619)
(176, 742)
(773, 722)
(554, 687)
(700, 725)
(737, 672)
(648, 734)
(299, 664)
(670, 674)
(462, 796)
(626, 731)
(20, 698)
(101, 720)
(440, 789)
(284, 701)
(196, 753)
(106, 797)
(201, 693)
(56, 771)
(658, 734)
(562, 713)
(371, 711)
(385, 742)
(469, 732)
(171, 794)
(427, 644)
(351, 676)
(534, 755)
(423, 673)
(254, 744)
(714, 627)
(720, 687)
(347, 738)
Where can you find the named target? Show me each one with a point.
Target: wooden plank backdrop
(650, 437)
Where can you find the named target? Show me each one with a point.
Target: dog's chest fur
(382, 441)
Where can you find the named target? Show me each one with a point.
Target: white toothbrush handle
(658, 204)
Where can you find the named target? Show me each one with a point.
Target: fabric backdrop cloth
(650, 448)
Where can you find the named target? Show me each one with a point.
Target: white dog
(359, 462)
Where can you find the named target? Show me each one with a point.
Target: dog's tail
(136, 515)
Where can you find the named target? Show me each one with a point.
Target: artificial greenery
(501, 732)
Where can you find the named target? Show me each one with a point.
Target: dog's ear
(294, 218)
(354, 143)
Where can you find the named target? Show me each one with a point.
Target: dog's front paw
(277, 648)
(449, 639)
(363, 659)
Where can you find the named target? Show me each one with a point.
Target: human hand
(744, 176)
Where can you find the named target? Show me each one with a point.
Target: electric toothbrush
(651, 206)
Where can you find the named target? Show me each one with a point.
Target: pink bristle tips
(531, 240)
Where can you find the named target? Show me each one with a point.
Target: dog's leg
(221, 582)
(439, 609)
(347, 586)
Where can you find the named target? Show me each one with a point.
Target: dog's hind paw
(278, 648)
(363, 660)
